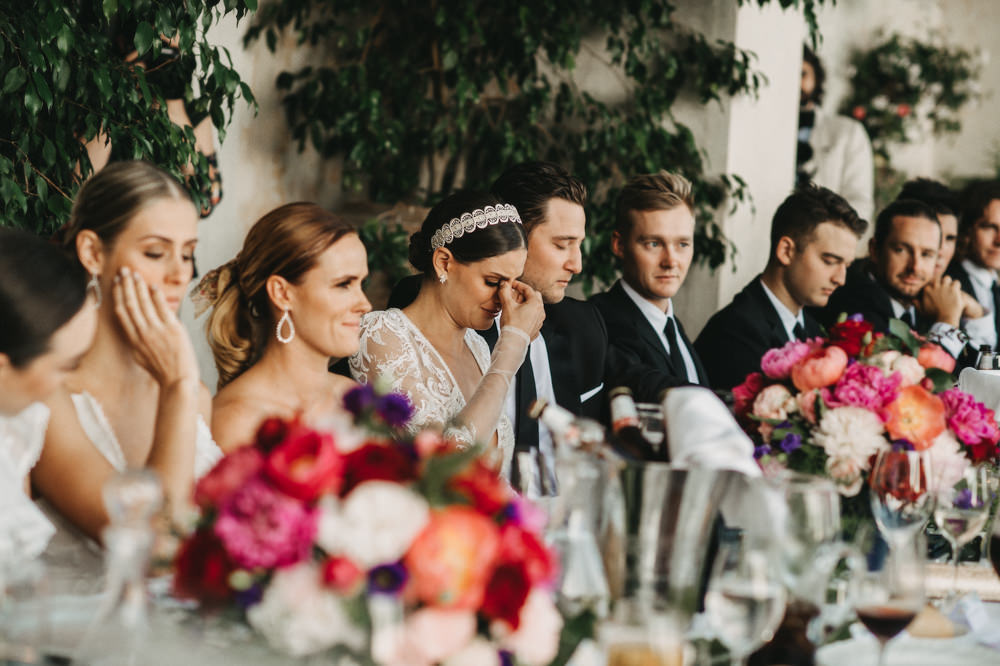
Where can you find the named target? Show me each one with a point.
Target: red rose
(377, 462)
(271, 433)
(746, 393)
(506, 593)
(202, 569)
(483, 487)
(521, 546)
(849, 335)
(306, 465)
(228, 476)
(342, 575)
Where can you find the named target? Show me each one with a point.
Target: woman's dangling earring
(94, 286)
(442, 278)
(285, 319)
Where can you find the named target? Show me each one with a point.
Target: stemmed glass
(745, 600)
(961, 512)
(888, 587)
(900, 501)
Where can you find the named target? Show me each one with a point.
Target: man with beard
(887, 285)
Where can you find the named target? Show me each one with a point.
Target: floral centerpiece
(406, 550)
(828, 405)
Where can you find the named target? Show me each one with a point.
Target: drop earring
(285, 319)
(94, 286)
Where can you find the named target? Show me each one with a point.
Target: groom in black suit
(654, 238)
(814, 236)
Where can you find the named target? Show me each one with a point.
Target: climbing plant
(419, 99)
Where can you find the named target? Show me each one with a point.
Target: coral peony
(228, 475)
(452, 559)
(820, 368)
(261, 527)
(934, 356)
(916, 415)
(851, 335)
(306, 465)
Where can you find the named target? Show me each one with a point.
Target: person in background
(978, 259)
(814, 237)
(833, 151)
(654, 239)
(48, 325)
(288, 303)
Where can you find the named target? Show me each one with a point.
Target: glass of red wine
(887, 590)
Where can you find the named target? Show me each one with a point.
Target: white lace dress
(24, 529)
(73, 560)
(392, 347)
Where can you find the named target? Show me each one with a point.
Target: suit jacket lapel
(644, 329)
(778, 336)
(561, 368)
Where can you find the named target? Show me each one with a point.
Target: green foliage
(64, 81)
(388, 248)
(422, 98)
(906, 89)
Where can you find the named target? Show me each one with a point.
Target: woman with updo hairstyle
(471, 250)
(136, 400)
(288, 305)
(48, 324)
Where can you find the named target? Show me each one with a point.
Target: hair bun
(420, 254)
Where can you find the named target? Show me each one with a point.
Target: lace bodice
(24, 530)
(75, 561)
(392, 347)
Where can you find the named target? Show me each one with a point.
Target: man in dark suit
(976, 269)
(654, 238)
(814, 236)
(901, 258)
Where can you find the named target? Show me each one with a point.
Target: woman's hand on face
(522, 307)
(158, 339)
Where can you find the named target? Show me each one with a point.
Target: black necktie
(995, 289)
(799, 331)
(907, 318)
(525, 427)
(676, 358)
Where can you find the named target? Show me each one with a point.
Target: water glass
(900, 499)
(961, 512)
(639, 635)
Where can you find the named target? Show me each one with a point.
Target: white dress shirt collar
(788, 318)
(657, 318)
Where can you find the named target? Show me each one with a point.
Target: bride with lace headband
(471, 251)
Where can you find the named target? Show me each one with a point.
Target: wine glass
(961, 511)
(888, 586)
(745, 600)
(899, 498)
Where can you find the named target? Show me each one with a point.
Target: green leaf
(902, 331)
(14, 80)
(942, 380)
(143, 37)
(44, 93)
(110, 8)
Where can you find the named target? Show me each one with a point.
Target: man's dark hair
(935, 194)
(975, 198)
(900, 208)
(806, 208)
(818, 73)
(528, 186)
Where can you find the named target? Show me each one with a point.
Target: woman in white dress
(136, 399)
(48, 324)
(289, 303)
(471, 250)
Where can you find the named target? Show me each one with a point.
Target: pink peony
(865, 386)
(744, 394)
(777, 363)
(262, 527)
(228, 475)
(971, 421)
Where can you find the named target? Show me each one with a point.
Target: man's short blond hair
(652, 191)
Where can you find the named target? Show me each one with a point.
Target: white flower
(299, 616)
(427, 636)
(884, 360)
(846, 472)
(375, 524)
(880, 102)
(948, 464)
(909, 368)
(479, 652)
(850, 432)
(536, 641)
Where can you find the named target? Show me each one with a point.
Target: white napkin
(984, 385)
(972, 612)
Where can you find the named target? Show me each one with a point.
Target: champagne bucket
(669, 516)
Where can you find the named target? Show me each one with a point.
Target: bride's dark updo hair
(490, 241)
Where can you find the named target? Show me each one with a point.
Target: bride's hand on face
(521, 307)
(158, 338)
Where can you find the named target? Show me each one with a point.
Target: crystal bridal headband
(469, 222)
